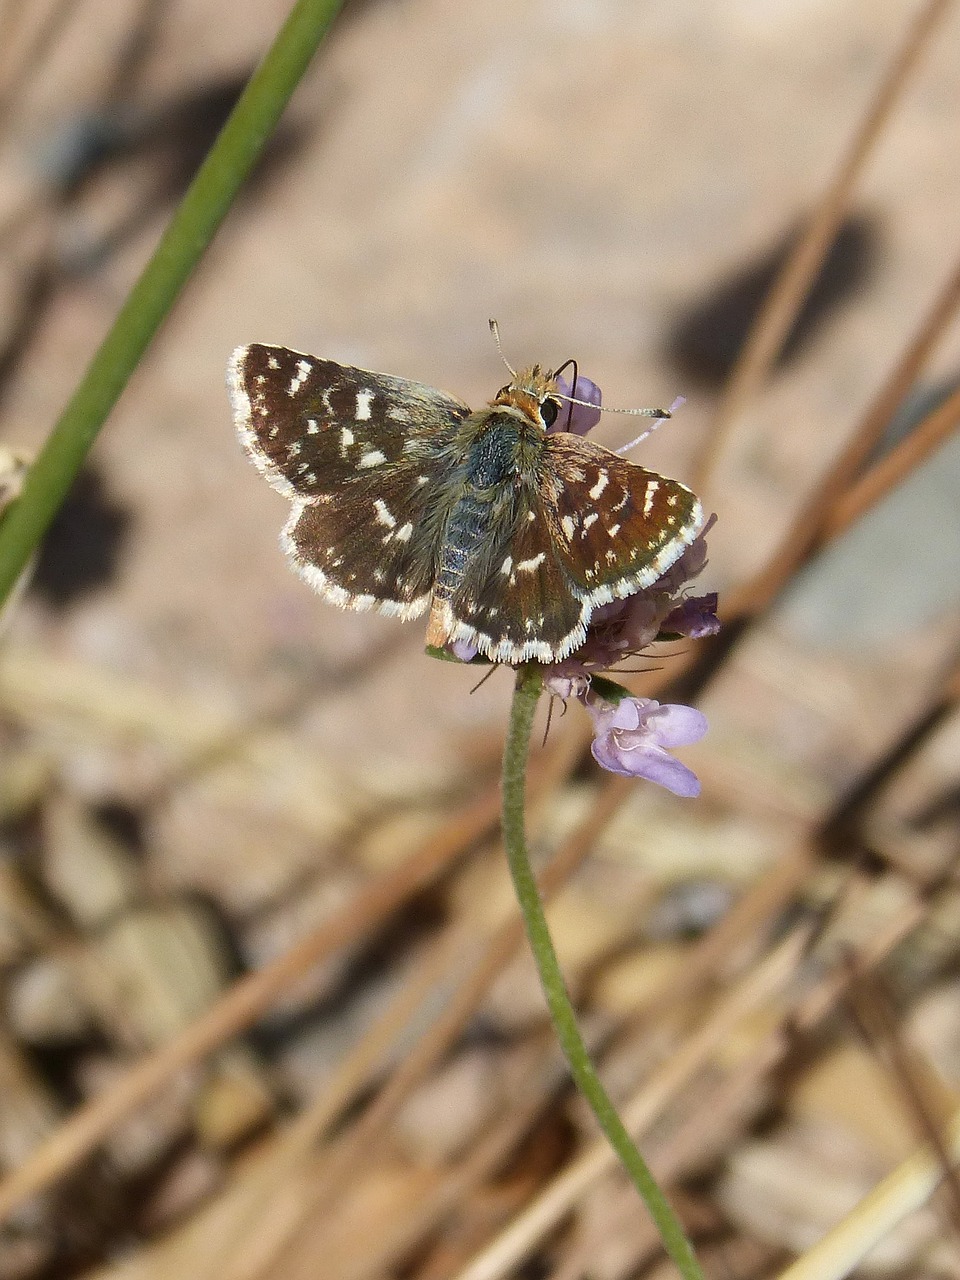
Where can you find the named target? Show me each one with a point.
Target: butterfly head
(534, 392)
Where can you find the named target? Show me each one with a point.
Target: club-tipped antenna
(661, 414)
(495, 330)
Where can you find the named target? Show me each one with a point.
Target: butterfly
(404, 500)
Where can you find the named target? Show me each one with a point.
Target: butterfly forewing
(362, 456)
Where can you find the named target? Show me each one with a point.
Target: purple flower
(633, 738)
(463, 650)
(579, 419)
(695, 617)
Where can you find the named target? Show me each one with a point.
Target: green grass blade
(191, 229)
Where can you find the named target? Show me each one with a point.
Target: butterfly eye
(548, 412)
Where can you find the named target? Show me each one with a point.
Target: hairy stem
(526, 695)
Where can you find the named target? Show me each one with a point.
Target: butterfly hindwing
(515, 603)
(362, 456)
(583, 528)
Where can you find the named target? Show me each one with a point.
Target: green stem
(191, 229)
(526, 695)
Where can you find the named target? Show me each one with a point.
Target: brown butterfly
(405, 500)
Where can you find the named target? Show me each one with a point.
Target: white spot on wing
(569, 526)
(372, 458)
(364, 401)
(300, 377)
(598, 488)
(404, 532)
(528, 566)
(652, 487)
(507, 565)
(384, 514)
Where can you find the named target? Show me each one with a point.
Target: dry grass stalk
(928, 1101)
(558, 1199)
(361, 1141)
(884, 476)
(242, 1005)
(800, 271)
(901, 1193)
(764, 987)
(818, 519)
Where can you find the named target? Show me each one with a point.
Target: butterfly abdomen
(463, 535)
(489, 463)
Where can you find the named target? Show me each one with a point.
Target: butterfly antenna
(495, 330)
(660, 414)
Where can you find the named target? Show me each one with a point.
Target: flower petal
(674, 725)
(695, 617)
(650, 762)
(579, 419)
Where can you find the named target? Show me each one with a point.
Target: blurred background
(203, 764)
